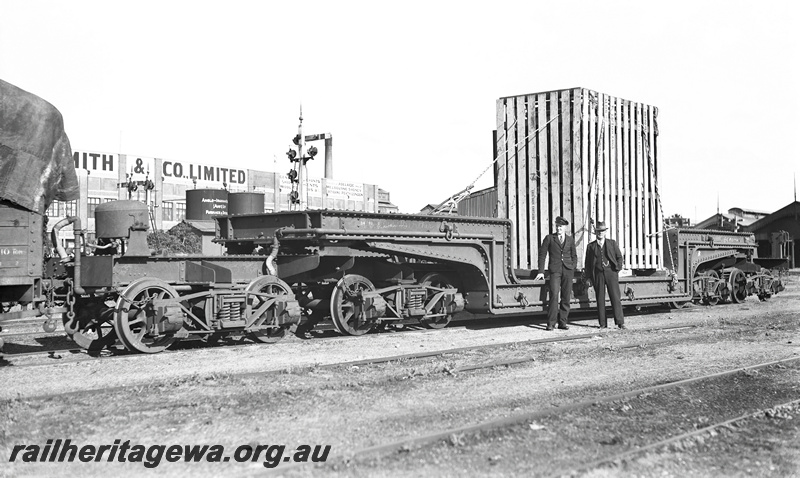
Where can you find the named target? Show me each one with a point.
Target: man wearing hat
(563, 259)
(603, 263)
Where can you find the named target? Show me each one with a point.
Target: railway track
(124, 355)
(709, 431)
(23, 342)
(29, 339)
(458, 436)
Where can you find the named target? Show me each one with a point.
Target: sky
(408, 89)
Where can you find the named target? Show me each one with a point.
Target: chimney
(328, 151)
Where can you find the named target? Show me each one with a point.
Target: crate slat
(579, 229)
(591, 163)
(500, 165)
(553, 156)
(523, 187)
(659, 238)
(566, 158)
(543, 171)
(638, 187)
(532, 181)
(511, 166)
(627, 169)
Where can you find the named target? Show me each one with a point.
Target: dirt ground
(192, 397)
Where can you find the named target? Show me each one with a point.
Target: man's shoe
(563, 327)
(622, 326)
(549, 328)
(603, 326)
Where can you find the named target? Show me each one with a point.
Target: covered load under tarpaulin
(36, 165)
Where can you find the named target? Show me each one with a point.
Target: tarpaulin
(36, 165)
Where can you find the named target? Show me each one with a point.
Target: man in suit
(603, 263)
(563, 259)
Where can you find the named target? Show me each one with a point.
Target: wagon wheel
(134, 308)
(738, 285)
(714, 278)
(273, 286)
(95, 328)
(679, 304)
(346, 314)
(439, 281)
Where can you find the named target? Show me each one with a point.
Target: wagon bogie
(270, 309)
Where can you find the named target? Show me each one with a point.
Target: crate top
(567, 89)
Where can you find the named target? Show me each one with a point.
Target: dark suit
(602, 267)
(563, 258)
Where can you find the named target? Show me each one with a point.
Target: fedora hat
(601, 226)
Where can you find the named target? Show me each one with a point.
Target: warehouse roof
(790, 210)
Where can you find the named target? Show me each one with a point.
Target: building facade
(777, 234)
(162, 184)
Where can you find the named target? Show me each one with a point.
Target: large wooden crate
(583, 155)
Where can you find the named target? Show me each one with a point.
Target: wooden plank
(635, 211)
(655, 225)
(565, 110)
(602, 156)
(640, 231)
(609, 167)
(601, 191)
(613, 221)
(619, 187)
(511, 168)
(579, 172)
(542, 168)
(554, 156)
(660, 226)
(591, 165)
(625, 244)
(523, 221)
(648, 188)
(645, 188)
(617, 148)
(502, 139)
(530, 179)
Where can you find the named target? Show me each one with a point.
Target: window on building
(180, 211)
(109, 199)
(55, 209)
(91, 205)
(166, 211)
(71, 208)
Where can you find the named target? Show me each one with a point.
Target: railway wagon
(357, 271)
(35, 168)
(363, 270)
